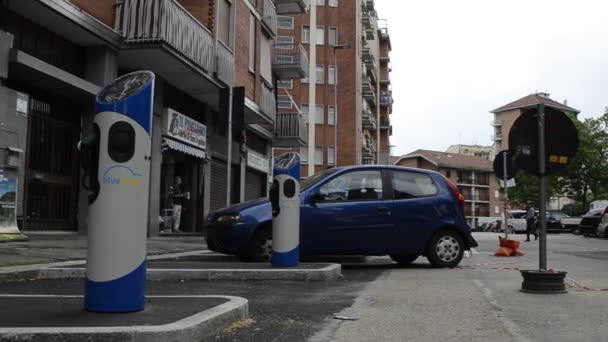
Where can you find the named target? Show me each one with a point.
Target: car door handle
(384, 210)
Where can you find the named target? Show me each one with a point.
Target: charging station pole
(118, 169)
(285, 200)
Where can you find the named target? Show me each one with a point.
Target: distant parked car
(357, 210)
(590, 221)
(518, 220)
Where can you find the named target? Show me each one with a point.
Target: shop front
(256, 176)
(182, 173)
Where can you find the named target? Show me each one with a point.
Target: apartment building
(353, 89)
(472, 150)
(505, 116)
(473, 175)
(210, 57)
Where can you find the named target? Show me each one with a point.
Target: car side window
(354, 186)
(412, 185)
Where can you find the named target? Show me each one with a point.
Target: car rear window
(412, 184)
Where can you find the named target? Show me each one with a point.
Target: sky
(455, 61)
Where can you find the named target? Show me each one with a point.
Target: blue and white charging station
(285, 200)
(116, 159)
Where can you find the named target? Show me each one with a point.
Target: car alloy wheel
(260, 249)
(446, 249)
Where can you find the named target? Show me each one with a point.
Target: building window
(320, 35)
(305, 34)
(331, 115)
(448, 173)
(331, 74)
(225, 22)
(284, 22)
(285, 84)
(252, 23)
(332, 3)
(319, 114)
(320, 2)
(304, 154)
(332, 36)
(320, 74)
(318, 155)
(283, 41)
(284, 101)
(331, 155)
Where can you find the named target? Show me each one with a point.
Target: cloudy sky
(454, 61)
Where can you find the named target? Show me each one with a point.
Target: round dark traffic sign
(561, 141)
(499, 166)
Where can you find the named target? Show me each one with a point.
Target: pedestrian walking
(177, 197)
(531, 222)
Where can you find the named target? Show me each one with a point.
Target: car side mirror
(319, 196)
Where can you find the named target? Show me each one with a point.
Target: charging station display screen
(125, 86)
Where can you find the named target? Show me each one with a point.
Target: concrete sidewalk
(50, 247)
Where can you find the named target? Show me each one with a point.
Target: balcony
(368, 90)
(367, 54)
(496, 123)
(290, 130)
(368, 118)
(367, 5)
(291, 6)
(161, 36)
(477, 198)
(497, 137)
(269, 17)
(290, 61)
(386, 100)
(385, 122)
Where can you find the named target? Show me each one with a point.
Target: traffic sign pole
(543, 188)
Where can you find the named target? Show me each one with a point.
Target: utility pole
(312, 88)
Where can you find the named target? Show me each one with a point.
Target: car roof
(387, 167)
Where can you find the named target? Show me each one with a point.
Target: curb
(194, 328)
(330, 272)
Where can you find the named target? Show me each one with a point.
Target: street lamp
(336, 47)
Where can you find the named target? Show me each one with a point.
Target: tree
(527, 189)
(586, 178)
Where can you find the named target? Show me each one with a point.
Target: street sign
(561, 139)
(499, 167)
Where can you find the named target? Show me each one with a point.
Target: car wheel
(445, 249)
(576, 231)
(599, 232)
(404, 259)
(260, 248)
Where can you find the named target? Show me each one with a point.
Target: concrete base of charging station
(166, 319)
(185, 270)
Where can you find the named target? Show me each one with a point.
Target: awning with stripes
(178, 146)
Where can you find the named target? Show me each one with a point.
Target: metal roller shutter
(254, 185)
(218, 185)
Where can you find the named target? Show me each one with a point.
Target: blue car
(357, 210)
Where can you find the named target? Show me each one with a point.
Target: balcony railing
(370, 20)
(290, 129)
(290, 61)
(476, 198)
(496, 123)
(385, 122)
(291, 6)
(497, 137)
(269, 17)
(225, 64)
(269, 103)
(385, 158)
(166, 21)
(368, 118)
(386, 100)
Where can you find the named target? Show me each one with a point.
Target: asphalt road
(477, 302)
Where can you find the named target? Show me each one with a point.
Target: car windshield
(310, 181)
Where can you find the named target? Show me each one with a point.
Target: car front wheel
(445, 249)
(260, 248)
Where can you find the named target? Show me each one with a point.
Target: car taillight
(455, 190)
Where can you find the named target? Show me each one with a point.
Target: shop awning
(178, 146)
